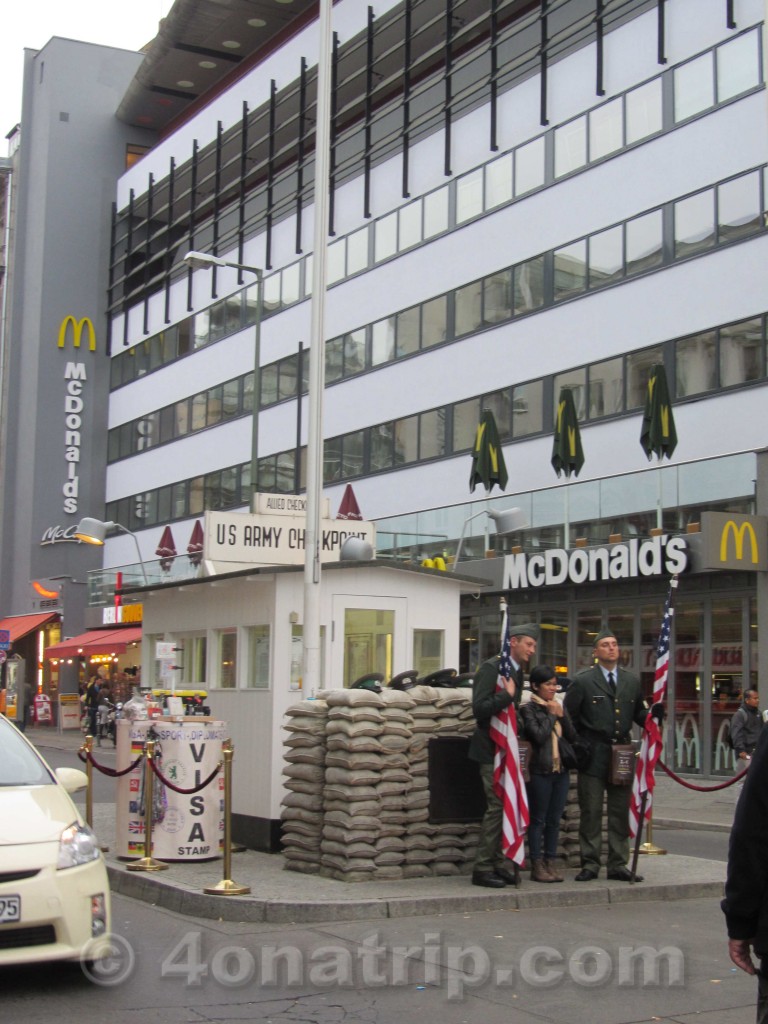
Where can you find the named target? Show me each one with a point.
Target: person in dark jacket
(746, 886)
(488, 699)
(746, 726)
(543, 721)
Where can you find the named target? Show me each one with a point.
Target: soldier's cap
(370, 682)
(526, 629)
(604, 634)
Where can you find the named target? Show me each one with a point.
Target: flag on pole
(650, 748)
(507, 777)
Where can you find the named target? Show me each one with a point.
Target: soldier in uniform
(487, 701)
(603, 702)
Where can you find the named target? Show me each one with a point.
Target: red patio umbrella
(195, 546)
(349, 509)
(166, 549)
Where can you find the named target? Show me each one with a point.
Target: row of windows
(718, 215)
(691, 89)
(730, 355)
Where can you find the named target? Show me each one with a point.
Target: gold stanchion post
(87, 747)
(148, 862)
(226, 887)
(649, 847)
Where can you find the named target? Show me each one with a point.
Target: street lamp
(507, 521)
(205, 260)
(93, 531)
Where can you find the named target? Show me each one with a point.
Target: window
(368, 642)
(466, 416)
(386, 237)
(336, 264)
(643, 111)
(606, 130)
(738, 66)
(436, 212)
(644, 242)
(409, 218)
(570, 270)
(606, 388)
(529, 166)
(406, 440)
(357, 251)
(498, 181)
(432, 434)
(383, 341)
(576, 380)
(606, 258)
(738, 207)
(694, 87)
(638, 368)
(741, 352)
(528, 408)
(469, 196)
(434, 319)
(408, 331)
(469, 315)
(497, 297)
(694, 224)
(225, 676)
(695, 364)
(428, 645)
(258, 647)
(529, 285)
(570, 147)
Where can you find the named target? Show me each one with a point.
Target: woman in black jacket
(543, 720)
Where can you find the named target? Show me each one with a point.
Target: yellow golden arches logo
(571, 434)
(739, 533)
(78, 326)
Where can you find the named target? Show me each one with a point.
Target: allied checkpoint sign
(274, 538)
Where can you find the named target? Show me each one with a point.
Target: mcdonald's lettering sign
(732, 541)
(78, 326)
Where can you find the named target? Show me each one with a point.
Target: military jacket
(487, 701)
(605, 717)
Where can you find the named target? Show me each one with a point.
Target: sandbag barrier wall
(357, 806)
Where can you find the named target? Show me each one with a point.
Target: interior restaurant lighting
(93, 531)
(203, 261)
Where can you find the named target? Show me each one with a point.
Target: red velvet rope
(178, 789)
(113, 773)
(702, 789)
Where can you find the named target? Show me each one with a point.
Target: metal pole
(317, 359)
(88, 747)
(256, 389)
(148, 862)
(226, 887)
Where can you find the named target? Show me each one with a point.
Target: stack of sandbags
(304, 780)
(569, 827)
(401, 804)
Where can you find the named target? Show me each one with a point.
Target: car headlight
(77, 845)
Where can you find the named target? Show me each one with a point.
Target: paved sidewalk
(283, 896)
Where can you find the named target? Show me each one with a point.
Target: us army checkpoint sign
(251, 539)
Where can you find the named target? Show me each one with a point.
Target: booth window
(368, 642)
(257, 677)
(428, 645)
(226, 659)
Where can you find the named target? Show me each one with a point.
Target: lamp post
(93, 531)
(205, 260)
(507, 521)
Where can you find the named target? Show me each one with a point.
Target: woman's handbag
(576, 754)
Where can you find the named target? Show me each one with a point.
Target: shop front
(714, 644)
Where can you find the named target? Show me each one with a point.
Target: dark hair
(541, 674)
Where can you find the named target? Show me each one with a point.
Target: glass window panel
(267, 474)
(196, 486)
(332, 449)
(233, 311)
(738, 66)
(528, 408)
(178, 500)
(498, 181)
(230, 401)
(694, 224)
(251, 304)
(334, 360)
(576, 380)
(469, 196)
(434, 317)
(228, 495)
(408, 331)
(147, 429)
(354, 352)
(214, 407)
(226, 645)
(638, 368)
(289, 370)
(212, 494)
(436, 212)
(184, 337)
(741, 352)
(695, 364)
(357, 251)
(248, 391)
(291, 284)
(216, 321)
(466, 416)
(644, 242)
(336, 254)
(428, 647)
(386, 237)
(406, 440)
(570, 146)
(570, 270)
(529, 285)
(643, 111)
(113, 445)
(382, 447)
(167, 424)
(409, 218)
(271, 288)
(308, 276)
(500, 404)
(368, 642)
(258, 674)
(606, 130)
(383, 341)
(497, 297)
(285, 472)
(269, 376)
(469, 316)
(738, 207)
(606, 388)
(694, 87)
(181, 416)
(353, 454)
(606, 257)
(432, 434)
(198, 411)
(529, 166)
(202, 324)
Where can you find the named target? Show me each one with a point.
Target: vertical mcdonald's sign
(75, 378)
(731, 541)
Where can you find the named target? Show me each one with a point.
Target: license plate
(10, 909)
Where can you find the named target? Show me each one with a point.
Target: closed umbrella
(488, 466)
(166, 549)
(349, 509)
(567, 453)
(195, 546)
(657, 434)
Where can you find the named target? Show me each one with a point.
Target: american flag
(507, 777)
(650, 748)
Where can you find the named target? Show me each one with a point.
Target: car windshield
(19, 764)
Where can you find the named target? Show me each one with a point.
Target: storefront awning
(19, 625)
(95, 641)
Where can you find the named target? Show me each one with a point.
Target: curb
(184, 900)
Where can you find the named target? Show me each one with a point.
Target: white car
(54, 890)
